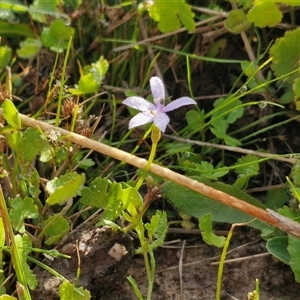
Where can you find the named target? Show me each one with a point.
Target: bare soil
(186, 268)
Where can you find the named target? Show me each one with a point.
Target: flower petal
(178, 103)
(139, 103)
(140, 119)
(157, 88)
(161, 121)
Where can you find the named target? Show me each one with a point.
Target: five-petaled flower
(156, 112)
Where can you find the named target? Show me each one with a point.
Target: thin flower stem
(155, 138)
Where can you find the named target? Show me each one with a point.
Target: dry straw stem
(267, 216)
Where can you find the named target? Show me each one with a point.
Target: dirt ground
(187, 255)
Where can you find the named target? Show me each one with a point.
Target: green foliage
(294, 250)
(92, 78)
(7, 297)
(22, 209)
(40, 8)
(57, 36)
(113, 198)
(29, 48)
(195, 119)
(198, 205)
(11, 114)
(170, 16)
(55, 228)
(132, 202)
(5, 56)
(207, 170)
(32, 143)
(98, 194)
(68, 291)
(264, 13)
(286, 55)
(225, 114)
(9, 29)
(157, 229)
(277, 246)
(33, 158)
(2, 243)
(101, 193)
(135, 288)
(246, 167)
(65, 187)
(237, 21)
(177, 147)
(97, 69)
(24, 244)
(205, 226)
(276, 198)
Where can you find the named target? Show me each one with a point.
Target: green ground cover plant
(85, 95)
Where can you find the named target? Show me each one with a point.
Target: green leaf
(264, 13)
(9, 29)
(206, 169)
(135, 288)
(103, 194)
(157, 230)
(86, 85)
(23, 243)
(195, 119)
(11, 114)
(287, 212)
(237, 21)
(198, 205)
(276, 197)
(205, 226)
(132, 200)
(295, 174)
(114, 206)
(65, 187)
(7, 297)
(230, 111)
(177, 147)
(170, 16)
(5, 56)
(98, 69)
(294, 250)
(68, 291)
(246, 167)
(296, 90)
(15, 141)
(40, 8)
(250, 68)
(219, 130)
(56, 228)
(286, 55)
(288, 97)
(2, 243)
(29, 48)
(97, 195)
(20, 210)
(57, 36)
(86, 163)
(277, 246)
(289, 2)
(32, 143)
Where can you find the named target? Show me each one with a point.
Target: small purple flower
(156, 112)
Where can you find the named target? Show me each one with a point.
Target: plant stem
(14, 251)
(155, 136)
